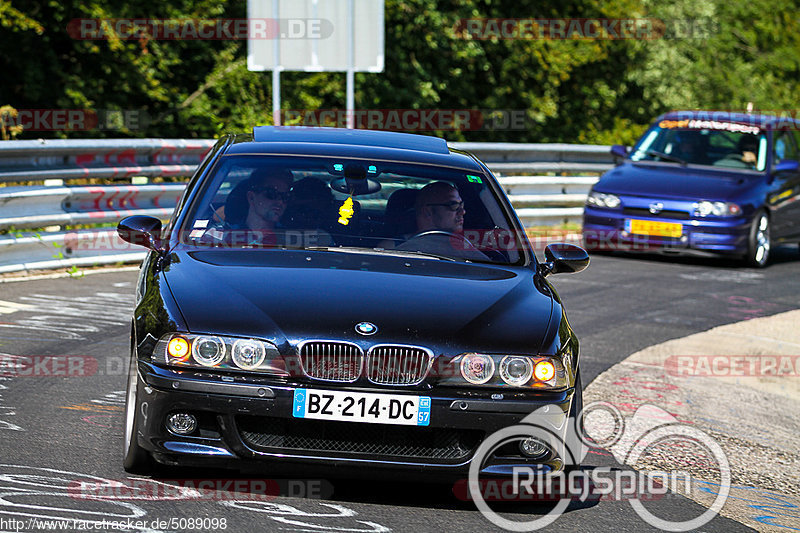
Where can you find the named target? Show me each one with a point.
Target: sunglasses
(452, 206)
(271, 193)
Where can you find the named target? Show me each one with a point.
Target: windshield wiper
(381, 251)
(662, 155)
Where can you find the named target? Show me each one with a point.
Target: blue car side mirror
(787, 165)
(563, 257)
(619, 152)
(141, 230)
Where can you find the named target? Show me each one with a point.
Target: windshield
(709, 143)
(351, 205)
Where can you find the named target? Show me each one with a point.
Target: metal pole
(351, 119)
(276, 96)
(276, 68)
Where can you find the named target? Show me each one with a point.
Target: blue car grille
(666, 213)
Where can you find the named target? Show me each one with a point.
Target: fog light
(544, 371)
(182, 423)
(532, 447)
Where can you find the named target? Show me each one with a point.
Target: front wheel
(136, 460)
(759, 243)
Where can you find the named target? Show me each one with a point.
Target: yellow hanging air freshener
(346, 212)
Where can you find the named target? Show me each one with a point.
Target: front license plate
(362, 407)
(649, 227)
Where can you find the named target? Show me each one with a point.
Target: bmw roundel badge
(366, 328)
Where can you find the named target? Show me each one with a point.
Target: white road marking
(7, 308)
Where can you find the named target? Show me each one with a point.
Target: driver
(253, 209)
(439, 212)
(439, 206)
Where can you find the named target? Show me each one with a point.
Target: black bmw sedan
(334, 299)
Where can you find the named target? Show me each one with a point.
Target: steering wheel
(438, 232)
(471, 248)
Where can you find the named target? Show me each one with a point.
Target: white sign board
(315, 35)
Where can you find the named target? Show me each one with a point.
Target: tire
(759, 243)
(136, 460)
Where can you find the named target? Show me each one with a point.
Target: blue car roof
(385, 139)
(761, 120)
(340, 142)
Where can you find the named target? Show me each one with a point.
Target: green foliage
(581, 90)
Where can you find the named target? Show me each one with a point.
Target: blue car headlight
(599, 199)
(219, 353)
(717, 209)
(505, 370)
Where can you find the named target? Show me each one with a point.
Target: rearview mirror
(141, 230)
(562, 257)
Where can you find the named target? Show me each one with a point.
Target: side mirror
(141, 230)
(787, 165)
(563, 257)
(619, 152)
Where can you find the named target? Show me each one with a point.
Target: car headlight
(220, 353)
(504, 370)
(599, 199)
(717, 209)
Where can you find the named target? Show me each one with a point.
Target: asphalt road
(57, 432)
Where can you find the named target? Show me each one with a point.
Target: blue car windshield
(724, 145)
(352, 205)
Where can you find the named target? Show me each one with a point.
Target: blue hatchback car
(703, 183)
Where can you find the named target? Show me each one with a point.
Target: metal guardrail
(539, 199)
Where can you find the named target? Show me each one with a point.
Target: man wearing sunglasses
(267, 196)
(254, 207)
(439, 207)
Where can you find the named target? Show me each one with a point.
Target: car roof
(341, 142)
(760, 120)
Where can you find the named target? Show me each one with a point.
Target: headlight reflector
(208, 351)
(599, 199)
(248, 354)
(477, 368)
(516, 370)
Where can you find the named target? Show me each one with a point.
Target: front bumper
(250, 425)
(605, 230)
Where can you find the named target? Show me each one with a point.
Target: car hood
(663, 180)
(286, 296)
